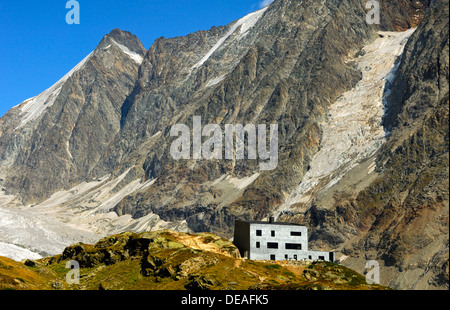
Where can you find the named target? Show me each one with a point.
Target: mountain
(362, 115)
(52, 132)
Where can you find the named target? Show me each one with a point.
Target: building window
(309, 257)
(322, 257)
(272, 245)
(258, 245)
(286, 257)
(272, 257)
(272, 233)
(293, 246)
(295, 257)
(296, 233)
(259, 232)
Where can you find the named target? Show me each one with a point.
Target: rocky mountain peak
(127, 39)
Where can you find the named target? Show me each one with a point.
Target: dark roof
(273, 223)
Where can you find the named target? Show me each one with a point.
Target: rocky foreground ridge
(168, 260)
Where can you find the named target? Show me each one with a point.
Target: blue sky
(37, 46)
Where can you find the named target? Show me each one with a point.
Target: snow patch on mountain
(133, 55)
(32, 108)
(216, 80)
(239, 184)
(243, 183)
(246, 23)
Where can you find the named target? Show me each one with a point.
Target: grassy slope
(174, 261)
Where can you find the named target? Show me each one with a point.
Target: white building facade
(275, 241)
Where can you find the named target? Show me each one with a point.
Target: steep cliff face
(362, 115)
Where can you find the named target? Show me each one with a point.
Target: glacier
(353, 130)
